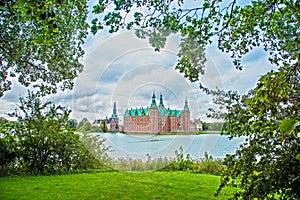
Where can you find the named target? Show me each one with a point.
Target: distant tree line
(212, 126)
(86, 127)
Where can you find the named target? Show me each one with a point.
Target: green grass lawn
(114, 185)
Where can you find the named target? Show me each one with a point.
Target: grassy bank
(114, 185)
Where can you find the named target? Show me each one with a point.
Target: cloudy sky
(124, 69)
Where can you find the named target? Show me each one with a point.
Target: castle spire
(161, 104)
(114, 115)
(186, 107)
(161, 101)
(153, 103)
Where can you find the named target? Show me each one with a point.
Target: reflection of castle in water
(156, 119)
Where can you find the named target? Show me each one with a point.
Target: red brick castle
(157, 119)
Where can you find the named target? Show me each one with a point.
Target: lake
(138, 146)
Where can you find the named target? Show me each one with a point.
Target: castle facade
(157, 119)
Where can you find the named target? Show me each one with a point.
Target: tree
(42, 142)
(82, 122)
(47, 143)
(72, 123)
(40, 43)
(84, 126)
(204, 126)
(237, 28)
(268, 164)
(8, 146)
(103, 126)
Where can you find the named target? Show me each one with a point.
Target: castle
(112, 123)
(157, 119)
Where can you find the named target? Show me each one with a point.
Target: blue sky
(121, 68)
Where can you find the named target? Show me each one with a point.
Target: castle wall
(186, 120)
(156, 122)
(137, 124)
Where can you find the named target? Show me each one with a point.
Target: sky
(121, 68)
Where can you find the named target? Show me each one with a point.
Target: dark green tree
(103, 126)
(72, 123)
(40, 43)
(204, 126)
(268, 164)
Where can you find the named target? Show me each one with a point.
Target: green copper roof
(137, 111)
(161, 109)
(173, 112)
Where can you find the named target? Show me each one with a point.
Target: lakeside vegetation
(114, 185)
(207, 165)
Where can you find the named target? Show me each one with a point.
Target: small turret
(161, 103)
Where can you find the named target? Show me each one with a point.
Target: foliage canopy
(40, 43)
(238, 29)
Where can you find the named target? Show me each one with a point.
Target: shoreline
(166, 133)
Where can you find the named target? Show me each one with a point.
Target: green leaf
(288, 125)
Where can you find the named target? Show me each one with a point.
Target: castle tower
(186, 106)
(114, 120)
(154, 116)
(153, 103)
(185, 120)
(114, 115)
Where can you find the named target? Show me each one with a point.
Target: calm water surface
(138, 146)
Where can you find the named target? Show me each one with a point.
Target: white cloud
(125, 69)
